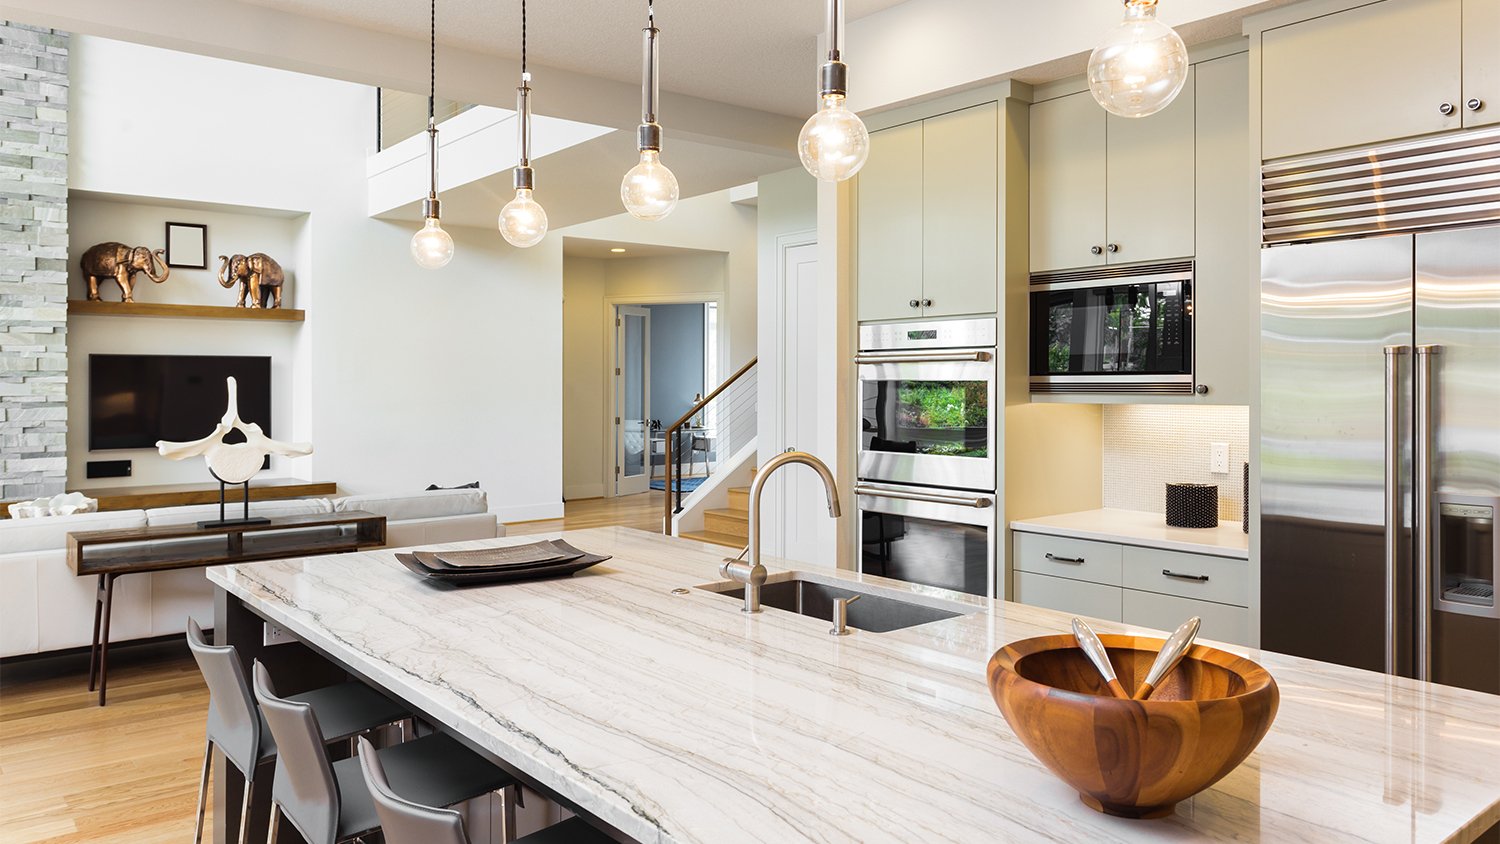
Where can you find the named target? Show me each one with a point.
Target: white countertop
(1136, 527)
(677, 718)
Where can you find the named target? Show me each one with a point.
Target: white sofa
(45, 607)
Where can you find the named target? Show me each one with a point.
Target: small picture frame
(187, 245)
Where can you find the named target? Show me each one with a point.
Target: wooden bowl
(1134, 759)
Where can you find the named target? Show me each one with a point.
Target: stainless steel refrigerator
(1380, 452)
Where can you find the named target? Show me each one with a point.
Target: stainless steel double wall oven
(927, 468)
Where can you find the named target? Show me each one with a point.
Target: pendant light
(522, 221)
(1141, 67)
(431, 247)
(834, 143)
(649, 190)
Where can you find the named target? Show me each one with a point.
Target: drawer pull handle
(1199, 578)
(1057, 559)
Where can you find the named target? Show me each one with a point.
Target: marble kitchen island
(677, 718)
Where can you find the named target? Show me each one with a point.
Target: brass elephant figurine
(258, 275)
(121, 263)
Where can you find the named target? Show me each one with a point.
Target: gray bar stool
(236, 727)
(405, 822)
(328, 802)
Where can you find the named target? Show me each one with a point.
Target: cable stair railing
(719, 424)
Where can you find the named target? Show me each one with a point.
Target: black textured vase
(1193, 505)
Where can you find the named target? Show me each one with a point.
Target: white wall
(412, 376)
(591, 289)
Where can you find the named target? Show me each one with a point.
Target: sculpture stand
(222, 521)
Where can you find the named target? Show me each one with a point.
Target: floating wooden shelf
(158, 309)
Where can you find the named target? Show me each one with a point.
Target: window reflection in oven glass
(927, 417)
(942, 554)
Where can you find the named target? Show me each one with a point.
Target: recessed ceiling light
(618, 249)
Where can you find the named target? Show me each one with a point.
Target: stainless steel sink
(873, 612)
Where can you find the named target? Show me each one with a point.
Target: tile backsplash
(1148, 446)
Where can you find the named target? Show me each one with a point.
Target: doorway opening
(666, 359)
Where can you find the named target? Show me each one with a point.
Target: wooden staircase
(727, 526)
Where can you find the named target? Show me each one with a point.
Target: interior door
(633, 448)
(800, 506)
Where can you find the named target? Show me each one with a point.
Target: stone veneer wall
(33, 260)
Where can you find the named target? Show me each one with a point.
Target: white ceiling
(759, 54)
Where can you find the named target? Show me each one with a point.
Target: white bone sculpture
(233, 463)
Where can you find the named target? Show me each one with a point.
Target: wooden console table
(110, 554)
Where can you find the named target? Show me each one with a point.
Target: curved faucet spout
(752, 573)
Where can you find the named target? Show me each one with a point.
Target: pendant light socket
(833, 78)
(648, 136)
(432, 207)
(524, 178)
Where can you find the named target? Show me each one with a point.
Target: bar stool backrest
(233, 723)
(304, 786)
(402, 821)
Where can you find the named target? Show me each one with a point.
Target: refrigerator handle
(1422, 515)
(1394, 355)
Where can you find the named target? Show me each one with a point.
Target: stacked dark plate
(548, 558)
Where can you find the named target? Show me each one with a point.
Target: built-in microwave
(1113, 330)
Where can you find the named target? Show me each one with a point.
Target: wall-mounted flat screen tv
(135, 400)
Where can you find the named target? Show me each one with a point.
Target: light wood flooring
(71, 771)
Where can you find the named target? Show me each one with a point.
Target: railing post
(666, 471)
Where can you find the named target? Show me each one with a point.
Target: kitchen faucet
(751, 572)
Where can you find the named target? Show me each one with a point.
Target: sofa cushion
(47, 533)
(206, 512)
(418, 505)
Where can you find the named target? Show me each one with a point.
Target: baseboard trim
(528, 512)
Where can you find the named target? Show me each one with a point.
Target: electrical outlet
(1218, 458)
(276, 635)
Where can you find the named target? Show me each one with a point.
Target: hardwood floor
(71, 771)
(643, 511)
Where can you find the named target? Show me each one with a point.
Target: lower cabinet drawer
(1165, 612)
(1070, 596)
(1062, 556)
(1223, 580)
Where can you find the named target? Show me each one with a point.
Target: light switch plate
(1218, 458)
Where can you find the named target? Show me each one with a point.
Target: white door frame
(611, 304)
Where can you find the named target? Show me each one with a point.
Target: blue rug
(685, 484)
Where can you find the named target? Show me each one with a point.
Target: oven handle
(978, 502)
(921, 357)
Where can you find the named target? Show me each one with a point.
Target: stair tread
(729, 513)
(715, 537)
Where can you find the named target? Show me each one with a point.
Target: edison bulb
(834, 142)
(432, 247)
(649, 190)
(522, 220)
(1141, 67)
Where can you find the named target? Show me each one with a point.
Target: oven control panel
(932, 334)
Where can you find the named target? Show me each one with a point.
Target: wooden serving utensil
(1088, 642)
(1167, 658)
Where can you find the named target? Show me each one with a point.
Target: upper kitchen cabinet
(1067, 183)
(1108, 189)
(889, 209)
(1227, 254)
(1379, 72)
(1481, 99)
(926, 208)
(960, 205)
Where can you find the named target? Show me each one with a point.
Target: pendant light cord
(523, 39)
(432, 64)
